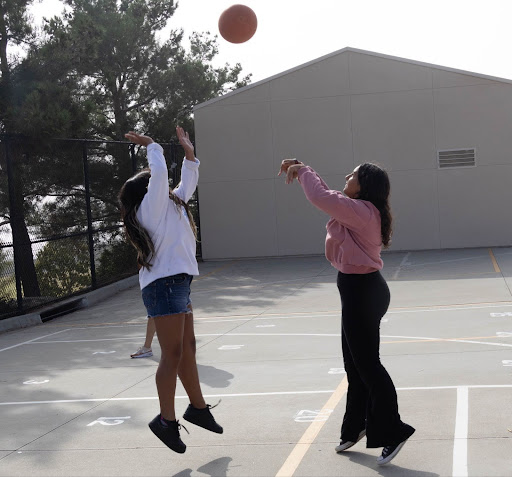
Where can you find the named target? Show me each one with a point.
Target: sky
(471, 35)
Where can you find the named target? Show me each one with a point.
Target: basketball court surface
(73, 403)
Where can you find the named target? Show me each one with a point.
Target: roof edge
(354, 50)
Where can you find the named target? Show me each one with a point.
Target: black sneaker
(169, 435)
(389, 453)
(344, 445)
(202, 418)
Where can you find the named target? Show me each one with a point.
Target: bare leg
(187, 369)
(169, 330)
(150, 332)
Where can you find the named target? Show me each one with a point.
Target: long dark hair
(130, 198)
(375, 188)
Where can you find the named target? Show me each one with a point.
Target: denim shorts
(168, 295)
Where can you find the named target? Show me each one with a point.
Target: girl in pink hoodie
(360, 225)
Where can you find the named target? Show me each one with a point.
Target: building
(444, 135)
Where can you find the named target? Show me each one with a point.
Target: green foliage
(94, 72)
(136, 81)
(63, 267)
(6, 263)
(117, 260)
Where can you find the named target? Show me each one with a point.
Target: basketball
(237, 24)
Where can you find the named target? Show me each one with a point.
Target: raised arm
(352, 213)
(189, 170)
(156, 200)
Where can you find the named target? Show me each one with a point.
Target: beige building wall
(339, 111)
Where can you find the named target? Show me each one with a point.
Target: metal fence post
(12, 205)
(134, 158)
(89, 214)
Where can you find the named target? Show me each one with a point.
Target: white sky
(472, 35)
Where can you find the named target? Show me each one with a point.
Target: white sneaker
(142, 353)
(344, 445)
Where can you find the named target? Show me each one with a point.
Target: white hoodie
(166, 223)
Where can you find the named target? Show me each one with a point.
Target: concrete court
(72, 402)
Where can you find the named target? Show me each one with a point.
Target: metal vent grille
(456, 158)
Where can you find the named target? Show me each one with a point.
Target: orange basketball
(237, 24)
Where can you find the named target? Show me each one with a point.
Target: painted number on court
(34, 381)
(109, 421)
(226, 347)
(312, 416)
(336, 371)
(505, 313)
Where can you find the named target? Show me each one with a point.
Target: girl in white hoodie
(160, 226)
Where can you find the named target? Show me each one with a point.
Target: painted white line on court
(197, 335)
(328, 335)
(411, 337)
(87, 341)
(453, 340)
(31, 341)
(337, 313)
(446, 308)
(446, 261)
(402, 263)
(469, 386)
(151, 398)
(460, 441)
(479, 342)
(276, 393)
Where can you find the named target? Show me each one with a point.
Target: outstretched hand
(132, 136)
(291, 168)
(186, 143)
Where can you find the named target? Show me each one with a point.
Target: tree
(95, 72)
(14, 28)
(134, 81)
(63, 267)
(37, 99)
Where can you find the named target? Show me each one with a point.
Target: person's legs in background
(145, 351)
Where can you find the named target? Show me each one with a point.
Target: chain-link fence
(60, 228)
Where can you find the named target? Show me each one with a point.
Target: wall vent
(456, 158)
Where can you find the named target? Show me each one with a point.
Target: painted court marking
(275, 393)
(460, 439)
(494, 262)
(31, 341)
(300, 449)
(319, 417)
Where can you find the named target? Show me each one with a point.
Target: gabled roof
(355, 50)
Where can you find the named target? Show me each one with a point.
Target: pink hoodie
(353, 243)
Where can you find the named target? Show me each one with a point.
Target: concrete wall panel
(394, 129)
(328, 78)
(372, 74)
(475, 116)
(475, 204)
(315, 131)
(235, 142)
(238, 219)
(396, 113)
(449, 79)
(414, 204)
(300, 225)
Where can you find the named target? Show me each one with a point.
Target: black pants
(371, 397)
